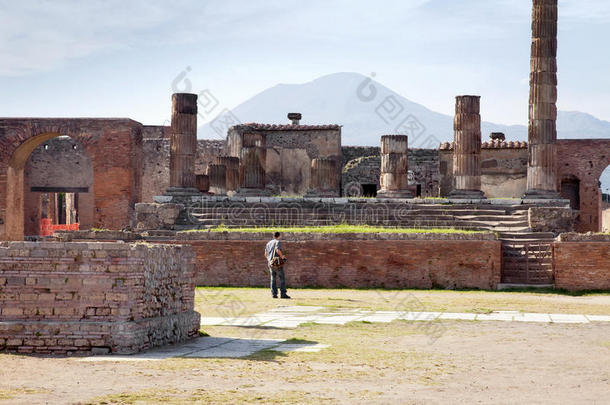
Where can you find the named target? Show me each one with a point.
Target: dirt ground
(472, 362)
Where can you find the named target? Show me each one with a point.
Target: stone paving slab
(289, 317)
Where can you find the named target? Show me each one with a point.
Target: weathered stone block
(551, 219)
(157, 216)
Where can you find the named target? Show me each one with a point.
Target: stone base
(253, 192)
(394, 194)
(95, 337)
(467, 195)
(541, 195)
(321, 194)
(182, 191)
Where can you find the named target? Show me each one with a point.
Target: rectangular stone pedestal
(95, 297)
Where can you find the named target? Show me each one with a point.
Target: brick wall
(584, 160)
(354, 263)
(503, 172)
(155, 152)
(65, 298)
(583, 265)
(113, 145)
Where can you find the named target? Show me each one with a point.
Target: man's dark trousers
(275, 273)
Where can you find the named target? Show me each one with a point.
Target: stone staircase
(527, 256)
(304, 213)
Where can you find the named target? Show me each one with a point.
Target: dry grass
(238, 302)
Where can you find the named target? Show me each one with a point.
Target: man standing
(274, 249)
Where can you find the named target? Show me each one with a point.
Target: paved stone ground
(214, 347)
(292, 316)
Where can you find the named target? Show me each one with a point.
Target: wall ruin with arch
(113, 145)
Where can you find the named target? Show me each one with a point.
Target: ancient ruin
(542, 132)
(60, 178)
(467, 148)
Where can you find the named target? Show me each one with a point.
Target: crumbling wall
(424, 170)
(155, 177)
(65, 298)
(585, 160)
(503, 171)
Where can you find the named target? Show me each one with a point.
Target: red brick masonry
(353, 263)
(64, 298)
(582, 265)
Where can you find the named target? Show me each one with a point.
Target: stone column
(542, 131)
(467, 148)
(394, 178)
(202, 182)
(324, 180)
(252, 165)
(232, 165)
(183, 144)
(217, 174)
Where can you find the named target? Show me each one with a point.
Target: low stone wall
(94, 297)
(582, 262)
(351, 260)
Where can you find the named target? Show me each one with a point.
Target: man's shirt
(272, 245)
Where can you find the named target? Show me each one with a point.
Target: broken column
(202, 182)
(217, 175)
(542, 128)
(183, 144)
(232, 169)
(324, 180)
(467, 148)
(253, 158)
(394, 178)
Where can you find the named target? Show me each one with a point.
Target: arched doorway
(604, 184)
(58, 186)
(20, 189)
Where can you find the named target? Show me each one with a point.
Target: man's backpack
(276, 261)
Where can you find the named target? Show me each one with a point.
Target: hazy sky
(119, 58)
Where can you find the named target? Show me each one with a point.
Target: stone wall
(155, 171)
(551, 219)
(584, 160)
(68, 298)
(359, 171)
(290, 150)
(58, 165)
(582, 264)
(424, 170)
(113, 145)
(355, 152)
(355, 261)
(503, 172)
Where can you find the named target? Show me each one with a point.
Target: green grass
(342, 228)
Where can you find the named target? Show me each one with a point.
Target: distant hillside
(367, 110)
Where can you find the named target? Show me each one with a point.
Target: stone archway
(605, 189)
(585, 159)
(14, 223)
(114, 147)
(58, 185)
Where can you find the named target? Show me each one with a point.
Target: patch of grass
(10, 393)
(339, 228)
(241, 302)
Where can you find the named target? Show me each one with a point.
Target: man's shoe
(285, 296)
(274, 296)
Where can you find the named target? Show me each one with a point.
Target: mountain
(367, 110)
